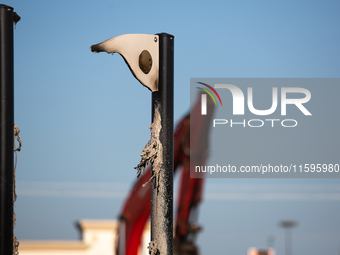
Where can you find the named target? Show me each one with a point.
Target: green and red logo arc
(209, 93)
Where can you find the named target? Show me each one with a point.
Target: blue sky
(84, 118)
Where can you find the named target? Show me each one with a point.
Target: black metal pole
(7, 129)
(288, 241)
(162, 192)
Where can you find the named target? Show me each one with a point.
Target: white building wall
(98, 238)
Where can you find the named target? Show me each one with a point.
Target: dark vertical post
(288, 241)
(162, 195)
(6, 129)
(288, 225)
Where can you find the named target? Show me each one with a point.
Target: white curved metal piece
(130, 47)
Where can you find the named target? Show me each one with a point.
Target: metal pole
(288, 241)
(288, 225)
(7, 129)
(162, 192)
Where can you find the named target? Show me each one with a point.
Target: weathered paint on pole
(162, 187)
(6, 129)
